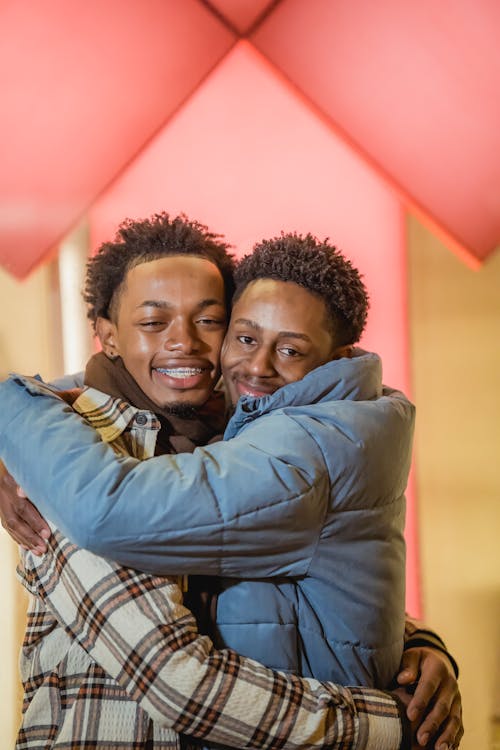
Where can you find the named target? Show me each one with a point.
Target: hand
(19, 517)
(436, 705)
(404, 698)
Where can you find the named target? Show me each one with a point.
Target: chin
(181, 408)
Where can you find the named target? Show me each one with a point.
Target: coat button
(141, 419)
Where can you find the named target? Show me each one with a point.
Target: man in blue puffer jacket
(341, 613)
(309, 497)
(337, 607)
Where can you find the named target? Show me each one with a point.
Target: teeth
(180, 372)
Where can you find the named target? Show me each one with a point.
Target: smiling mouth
(181, 373)
(247, 390)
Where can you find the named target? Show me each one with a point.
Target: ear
(343, 351)
(107, 335)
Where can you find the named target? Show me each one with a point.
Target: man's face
(168, 328)
(278, 332)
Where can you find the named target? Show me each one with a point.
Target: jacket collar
(356, 379)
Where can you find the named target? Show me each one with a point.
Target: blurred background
(374, 124)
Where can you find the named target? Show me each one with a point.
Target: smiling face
(168, 325)
(278, 332)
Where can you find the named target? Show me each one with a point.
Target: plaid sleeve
(135, 627)
(417, 635)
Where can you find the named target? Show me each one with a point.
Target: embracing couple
(272, 507)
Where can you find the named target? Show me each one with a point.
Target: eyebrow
(161, 304)
(283, 334)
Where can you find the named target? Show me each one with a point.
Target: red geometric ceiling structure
(414, 86)
(411, 87)
(253, 117)
(243, 16)
(85, 86)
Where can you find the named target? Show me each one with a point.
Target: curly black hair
(318, 267)
(145, 240)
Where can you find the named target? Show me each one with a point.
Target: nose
(260, 363)
(182, 336)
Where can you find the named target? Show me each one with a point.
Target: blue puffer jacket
(308, 497)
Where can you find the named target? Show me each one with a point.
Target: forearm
(136, 628)
(211, 512)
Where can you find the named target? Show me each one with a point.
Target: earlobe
(106, 333)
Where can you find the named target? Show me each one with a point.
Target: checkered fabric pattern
(111, 658)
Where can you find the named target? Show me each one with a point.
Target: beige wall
(455, 335)
(455, 327)
(29, 330)
(29, 343)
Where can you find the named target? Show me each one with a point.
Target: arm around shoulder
(183, 682)
(214, 511)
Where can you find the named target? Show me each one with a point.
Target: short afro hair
(145, 240)
(318, 267)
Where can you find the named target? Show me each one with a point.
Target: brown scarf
(178, 434)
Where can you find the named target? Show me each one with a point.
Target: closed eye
(152, 323)
(211, 321)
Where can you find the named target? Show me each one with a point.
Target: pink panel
(84, 86)
(415, 87)
(262, 163)
(242, 14)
